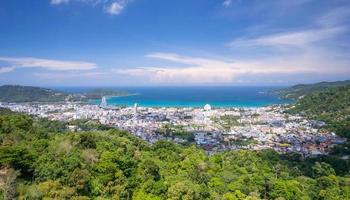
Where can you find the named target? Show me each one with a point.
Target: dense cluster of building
(213, 129)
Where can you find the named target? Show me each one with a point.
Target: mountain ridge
(300, 90)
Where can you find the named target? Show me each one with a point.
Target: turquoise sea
(223, 96)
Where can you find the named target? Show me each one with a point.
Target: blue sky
(182, 42)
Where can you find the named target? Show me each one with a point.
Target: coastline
(197, 97)
(182, 104)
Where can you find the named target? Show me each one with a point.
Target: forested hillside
(43, 161)
(19, 94)
(330, 105)
(300, 90)
(16, 93)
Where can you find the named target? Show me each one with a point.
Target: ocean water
(223, 96)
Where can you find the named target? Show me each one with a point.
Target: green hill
(331, 105)
(16, 93)
(19, 94)
(300, 90)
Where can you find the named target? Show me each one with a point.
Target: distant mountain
(16, 94)
(19, 94)
(99, 93)
(300, 90)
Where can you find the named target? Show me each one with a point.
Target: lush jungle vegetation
(43, 161)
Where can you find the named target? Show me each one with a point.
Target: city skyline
(158, 43)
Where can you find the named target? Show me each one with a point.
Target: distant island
(21, 94)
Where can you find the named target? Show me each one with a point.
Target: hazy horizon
(145, 85)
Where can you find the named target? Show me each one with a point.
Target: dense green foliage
(331, 105)
(41, 162)
(300, 90)
(16, 93)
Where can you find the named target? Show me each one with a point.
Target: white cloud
(325, 28)
(6, 69)
(114, 8)
(180, 75)
(335, 17)
(140, 72)
(56, 65)
(57, 2)
(187, 70)
(207, 70)
(318, 48)
(296, 39)
(227, 3)
(186, 60)
(71, 75)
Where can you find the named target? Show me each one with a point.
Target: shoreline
(197, 106)
(213, 107)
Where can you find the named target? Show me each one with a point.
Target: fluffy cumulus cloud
(56, 65)
(112, 7)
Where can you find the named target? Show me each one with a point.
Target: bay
(216, 96)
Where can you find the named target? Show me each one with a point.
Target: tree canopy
(39, 162)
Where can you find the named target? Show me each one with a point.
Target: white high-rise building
(135, 111)
(135, 108)
(104, 102)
